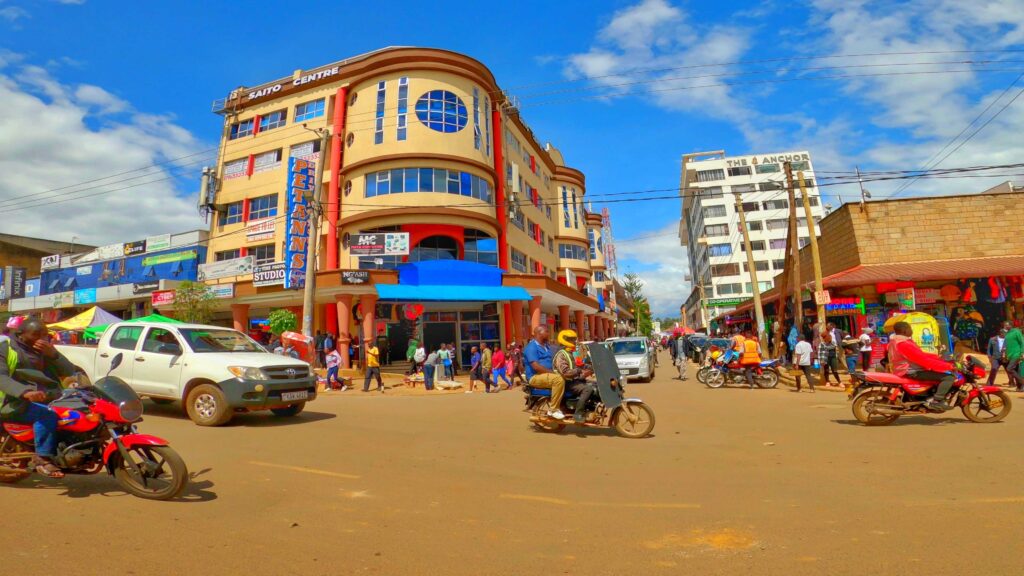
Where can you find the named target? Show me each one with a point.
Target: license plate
(295, 395)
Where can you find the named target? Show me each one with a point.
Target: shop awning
(949, 269)
(95, 332)
(450, 293)
(94, 316)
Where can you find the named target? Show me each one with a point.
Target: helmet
(567, 338)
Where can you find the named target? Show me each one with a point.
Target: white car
(214, 371)
(633, 355)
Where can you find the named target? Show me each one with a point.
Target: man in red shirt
(908, 360)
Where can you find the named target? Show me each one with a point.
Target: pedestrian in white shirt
(802, 360)
(865, 348)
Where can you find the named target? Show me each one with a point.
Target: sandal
(48, 469)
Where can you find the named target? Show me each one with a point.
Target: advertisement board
(49, 262)
(85, 296)
(110, 251)
(172, 257)
(379, 244)
(33, 287)
(162, 297)
(64, 300)
(268, 274)
(155, 243)
(13, 282)
(133, 248)
(145, 287)
(301, 174)
(223, 290)
(261, 229)
(353, 277)
(226, 268)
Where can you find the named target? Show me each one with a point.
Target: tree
(634, 287)
(193, 302)
(281, 321)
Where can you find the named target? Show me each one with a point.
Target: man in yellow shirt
(372, 367)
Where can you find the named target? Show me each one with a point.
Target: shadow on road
(254, 419)
(909, 421)
(73, 486)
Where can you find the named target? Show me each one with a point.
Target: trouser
(807, 374)
(582, 390)
(373, 372)
(1016, 378)
(851, 363)
(748, 372)
(551, 381)
(499, 373)
(830, 365)
(321, 357)
(945, 381)
(448, 373)
(332, 376)
(428, 376)
(681, 363)
(996, 364)
(44, 426)
(865, 360)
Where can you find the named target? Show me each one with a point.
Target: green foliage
(282, 321)
(634, 287)
(193, 302)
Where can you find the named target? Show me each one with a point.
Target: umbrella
(94, 332)
(92, 317)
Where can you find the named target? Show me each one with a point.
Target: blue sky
(93, 89)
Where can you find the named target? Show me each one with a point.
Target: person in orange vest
(750, 357)
(735, 348)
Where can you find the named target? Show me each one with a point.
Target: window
(808, 183)
(378, 129)
(769, 185)
(710, 175)
(759, 265)
(476, 118)
(742, 188)
(802, 165)
(764, 286)
(307, 150)
(273, 120)
(309, 110)
(442, 111)
(725, 269)
(778, 224)
(518, 220)
(575, 211)
(814, 200)
(236, 168)
(263, 207)
(751, 207)
(565, 207)
(739, 171)
(572, 251)
(754, 225)
(407, 180)
(487, 130)
(728, 289)
(226, 255)
(480, 248)
(593, 244)
(720, 249)
(241, 129)
(714, 211)
(126, 337)
(778, 244)
(518, 261)
(266, 161)
(766, 168)
(403, 107)
(804, 241)
(778, 264)
(264, 253)
(711, 193)
(776, 204)
(599, 276)
(716, 230)
(755, 245)
(232, 214)
(161, 341)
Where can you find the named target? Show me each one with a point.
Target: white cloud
(53, 135)
(13, 13)
(71, 2)
(657, 257)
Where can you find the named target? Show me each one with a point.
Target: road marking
(306, 470)
(563, 502)
(724, 539)
(996, 500)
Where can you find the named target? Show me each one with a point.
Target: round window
(351, 138)
(348, 188)
(352, 100)
(442, 111)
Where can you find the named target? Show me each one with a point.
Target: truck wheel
(207, 406)
(288, 411)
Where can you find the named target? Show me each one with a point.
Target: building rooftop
(43, 245)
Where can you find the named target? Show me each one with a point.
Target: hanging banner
(927, 295)
(268, 274)
(223, 290)
(50, 262)
(167, 258)
(261, 229)
(133, 248)
(380, 244)
(224, 268)
(906, 298)
(163, 298)
(110, 251)
(161, 242)
(301, 174)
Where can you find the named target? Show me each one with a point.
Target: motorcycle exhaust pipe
(890, 410)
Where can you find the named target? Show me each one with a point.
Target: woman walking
(498, 369)
(828, 356)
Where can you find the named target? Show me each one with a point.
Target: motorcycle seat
(889, 378)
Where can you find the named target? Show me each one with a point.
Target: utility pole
(703, 307)
(758, 311)
(793, 251)
(815, 258)
(315, 203)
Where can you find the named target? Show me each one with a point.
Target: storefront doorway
(437, 333)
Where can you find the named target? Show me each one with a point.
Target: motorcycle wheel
(540, 411)
(862, 408)
(714, 379)
(165, 472)
(702, 374)
(13, 470)
(640, 427)
(768, 379)
(999, 406)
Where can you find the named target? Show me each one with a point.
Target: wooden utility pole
(316, 201)
(755, 287)
(815, 255)
(793, 251)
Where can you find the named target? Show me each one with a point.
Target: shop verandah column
(344, 317)
(515, 320)
(534, 314)
(368, 304)
(592, 327)
(579, 324)
(563, 317)
(240, 317)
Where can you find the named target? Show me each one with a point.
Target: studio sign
(297, 82)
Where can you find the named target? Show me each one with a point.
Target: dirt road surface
(734, 481)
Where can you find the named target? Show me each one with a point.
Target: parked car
(214, 371)
(633, 355)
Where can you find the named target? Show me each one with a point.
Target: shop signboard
(49, 262)
(905, 296)
(844, 304)
(379, 244)
(145, 287)
(85, 296)
(268, 274)
(83, 270)
(355, 277)
(261, 229)
(822, 297)
(299, 190)
(33, 287)
(724, 302)
(927, 295)
(162, 298)
(13, 282)
(133, 248)
(225, 268)
(110, 251)
(64, 300)
(156, 243)
(223, 290)
(166, 258)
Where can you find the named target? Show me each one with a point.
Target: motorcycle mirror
(116, 362)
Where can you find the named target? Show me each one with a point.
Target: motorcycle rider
(30, 348)
(575, 376)
(539, 371)
(908, 360)
(750, 358)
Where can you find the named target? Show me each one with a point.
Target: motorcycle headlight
(130, 410)
(247, 373)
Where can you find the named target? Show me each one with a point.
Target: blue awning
(450, 293)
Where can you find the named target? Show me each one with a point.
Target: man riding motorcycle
(539, 371)
(908, 360)
(30, 348)
(575, 377)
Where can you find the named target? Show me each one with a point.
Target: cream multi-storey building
(423, 143)
(710, 229)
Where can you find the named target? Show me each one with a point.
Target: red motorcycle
(96, 431)
(880, 398)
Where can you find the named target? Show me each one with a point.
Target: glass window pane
(412, 179)
(396, 181)
(440, 180)
(466, 186)
(426, 180)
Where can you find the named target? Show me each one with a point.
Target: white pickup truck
(214, 371)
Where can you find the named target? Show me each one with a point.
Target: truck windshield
(202, 340)
(623, 347)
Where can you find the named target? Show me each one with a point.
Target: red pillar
(344, 322)
(534, 313)
(240, 317)
(580, 332)
(516, 320)
(368, 303)
(563, 317)
(334, 197)
(501, 210)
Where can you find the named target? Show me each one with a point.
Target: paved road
(734, 481)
